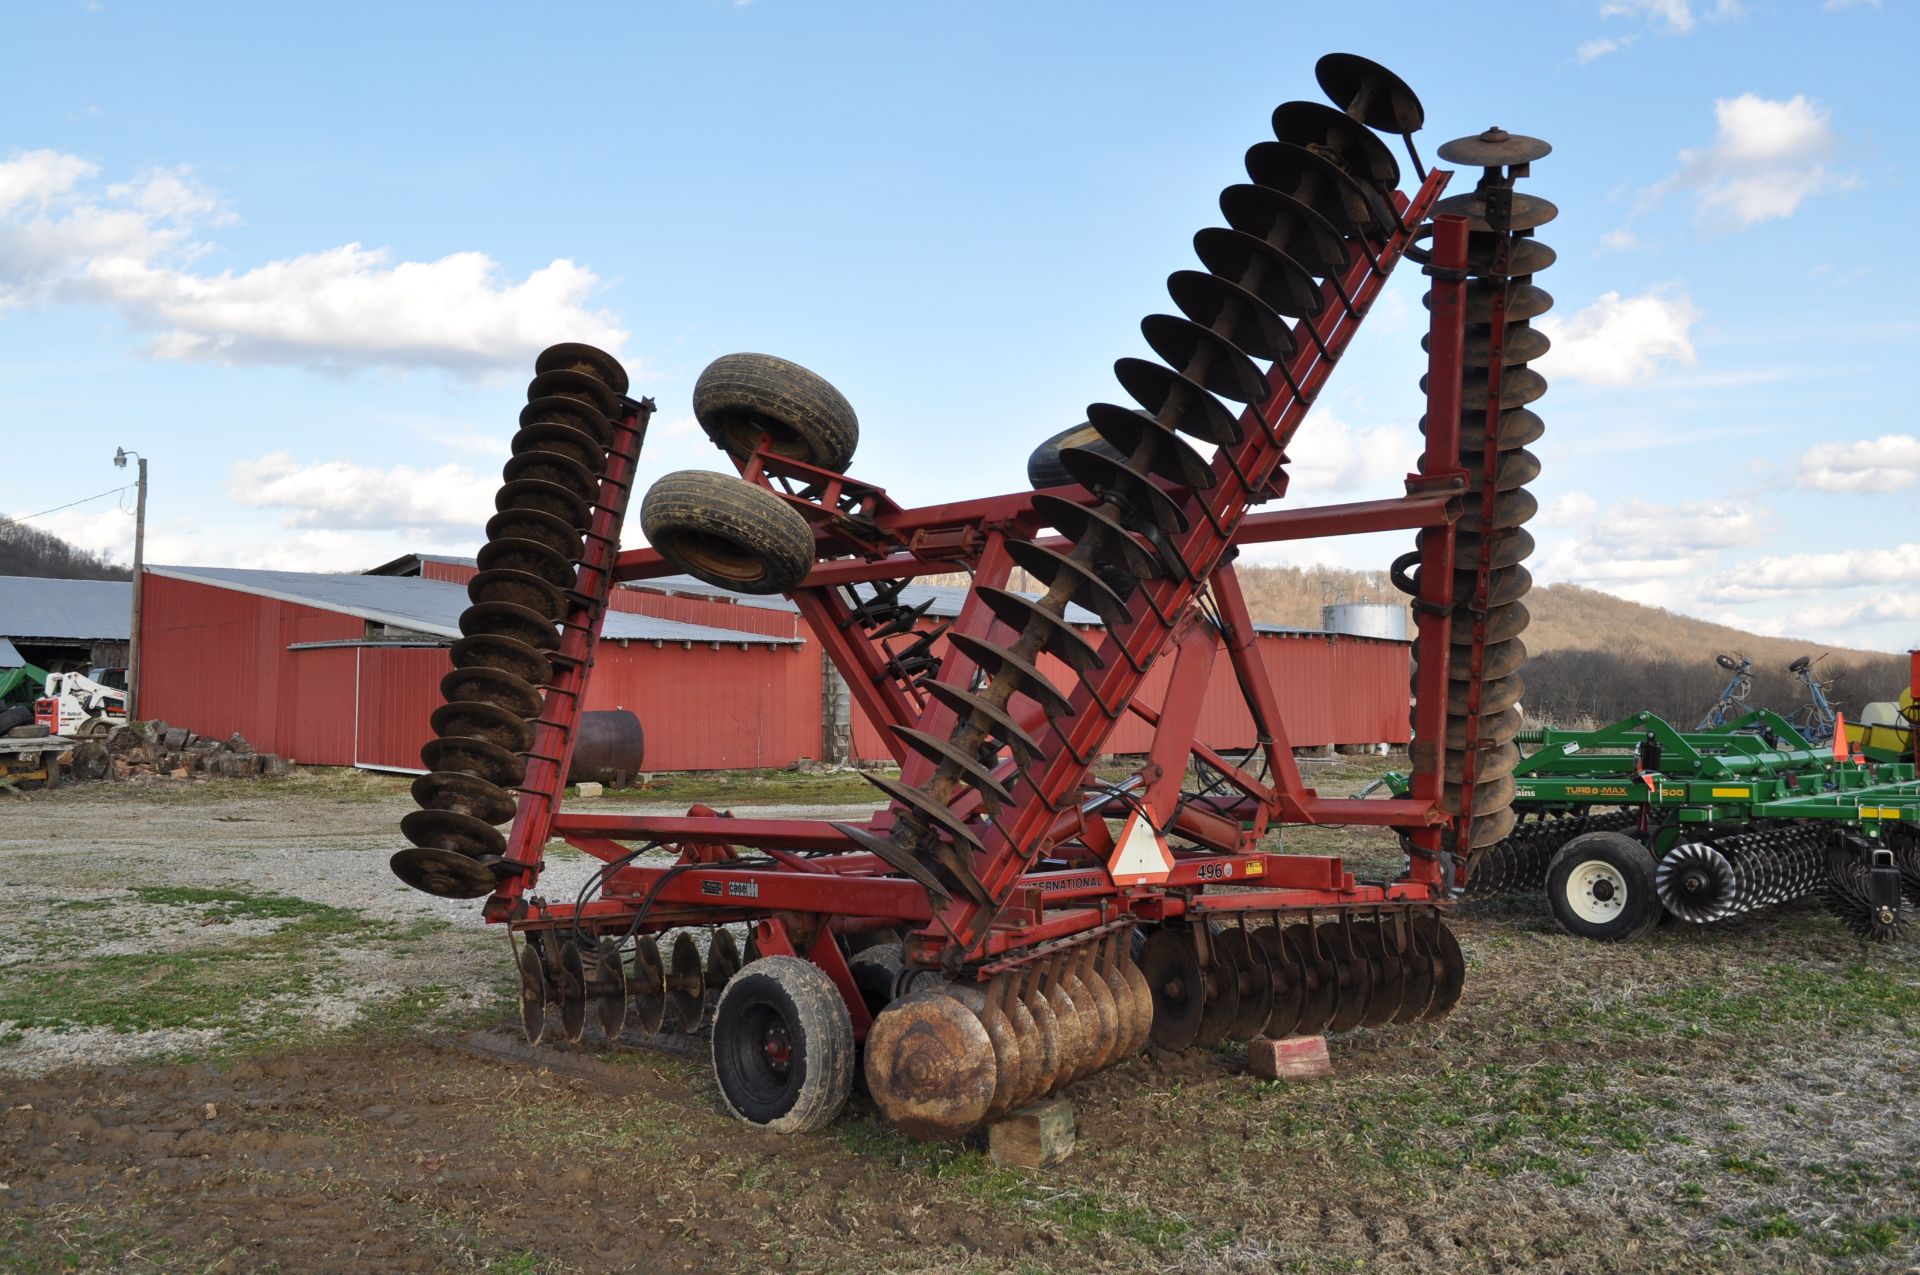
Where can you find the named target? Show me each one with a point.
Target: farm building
(345, 669)
(64, 624)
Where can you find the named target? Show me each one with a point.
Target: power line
(83, 500)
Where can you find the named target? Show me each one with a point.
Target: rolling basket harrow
(1011, 922)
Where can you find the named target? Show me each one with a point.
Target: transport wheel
(876, 972)
(783, 1046)
(1602, 886)
(727, 532)
(1044, 467)
(742, 397)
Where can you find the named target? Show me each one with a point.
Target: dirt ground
(230, 1041)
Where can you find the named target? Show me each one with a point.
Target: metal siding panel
(708, 709)
(399, 689)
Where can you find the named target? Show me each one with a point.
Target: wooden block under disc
(1294, 1058)
(1032, 1137)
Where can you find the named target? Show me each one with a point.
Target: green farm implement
(1638, 819)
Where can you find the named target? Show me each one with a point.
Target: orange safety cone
(1840, 737)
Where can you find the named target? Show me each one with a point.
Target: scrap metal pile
(1624, 824)
(1012, 921)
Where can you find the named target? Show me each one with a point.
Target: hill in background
(26, 551)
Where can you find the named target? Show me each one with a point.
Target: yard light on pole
(120, 455)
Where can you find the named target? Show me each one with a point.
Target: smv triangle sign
(1141, 856)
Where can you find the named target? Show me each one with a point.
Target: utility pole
(139, 559)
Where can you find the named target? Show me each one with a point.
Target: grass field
(227, 1041)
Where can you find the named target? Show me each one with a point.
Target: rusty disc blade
(533, 994)
(1077, 1041)
(1095, 999)
(549, 467)
(1417, 967)
(1320, 980)
(1498, 210)
(1255, 266)
(1222, 984)
(936, 812)
(491, 686)
(464, 794)
(1340, 138)
(943, 752)
(541, 528)
(610, 977)
(723, 960)
(1204, 357)
(1511, 547)
(472, 720)
(1172, 970)
(1177, 402)
(566, 383)
(1384, 964)
(1020, 613)
(1355, 974)
(1286, 982)
(1122, 483)
(503, 654)
(572, 413)
(1352, 206)
(446, 874)
(529, 556)
(572, 356)
(1512, 509)
(1495, 148)
(1285, 223)
(1007, 1062)
(544, 497)
(1053, 1064)
(519, 589)
(1450, 969)
(504, 619)
(649, 986)
(1370, 93)
(686, 984)
(1128, 1029)
(999, 662)
(1230, 310)
(1146, 443)
(448, 830)
(1142, 995)
(931, 1066)
(992, 718)
(1117, 546)
(1490, 253)
(1030, 1081)
(571, 980)
(1521, 343)
(1256, 983)
(901, 858)
(561, 439)
(474, 757)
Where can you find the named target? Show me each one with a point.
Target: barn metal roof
(65, 610)
(428, 606)
(10, 656)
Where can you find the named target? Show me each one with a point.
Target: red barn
(345, 670)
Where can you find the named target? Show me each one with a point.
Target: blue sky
(301, 260)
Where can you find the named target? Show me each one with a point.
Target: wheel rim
(764, 1056)
(1597, 892)
(714, 556)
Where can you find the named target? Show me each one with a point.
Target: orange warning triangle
(1840, 737)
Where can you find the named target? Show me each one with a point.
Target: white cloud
(1599, 48)
(1642, 550)
(1619, 240)
(339, 495)
(37, 177)
(1833, 6)
(1329, 456)
(1621, 340)
(1890, 462)
(1572, 509)
(1767, 158)
(1676, 15)
(1786, 575)
(134, 247)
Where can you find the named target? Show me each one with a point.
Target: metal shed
(63, 624)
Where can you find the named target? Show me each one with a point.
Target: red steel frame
(1045, 866)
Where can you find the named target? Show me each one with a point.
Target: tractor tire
(743, 396)
(876, 972)
(18, 715)
(783, 1046)
(1044, 469)
(1601, 886)
(727, 532)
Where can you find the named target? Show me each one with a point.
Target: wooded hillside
(27, 551)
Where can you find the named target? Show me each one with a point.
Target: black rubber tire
(876, 972)
(727, 532)
(17, 715)
(794, 997)
(1612, 861)
(742, 396)
(1044, 469)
